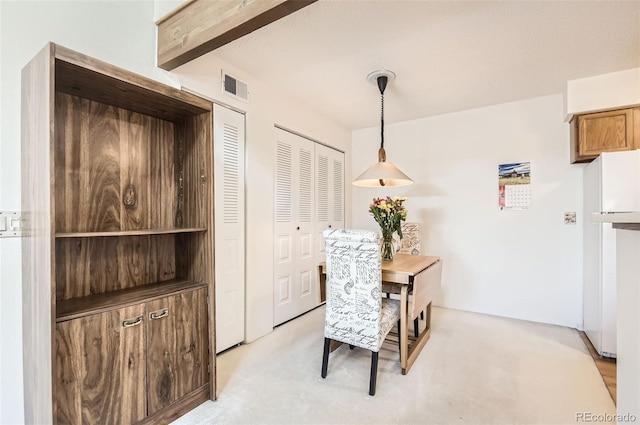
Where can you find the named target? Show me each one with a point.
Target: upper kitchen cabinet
(607, 131)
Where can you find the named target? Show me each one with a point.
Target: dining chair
(410, 242)
(356, 313)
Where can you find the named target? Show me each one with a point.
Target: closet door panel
(229, 144)
(329, 194)
(294, 230)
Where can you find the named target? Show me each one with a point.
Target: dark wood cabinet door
(100, 368)
(177, 347)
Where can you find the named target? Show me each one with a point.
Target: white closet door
(329, 194)
(229, 142)
(295, 280)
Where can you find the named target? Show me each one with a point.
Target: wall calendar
(514, 186)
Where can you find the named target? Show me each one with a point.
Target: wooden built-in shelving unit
(118, 264)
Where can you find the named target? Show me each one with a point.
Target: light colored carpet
(475, 369)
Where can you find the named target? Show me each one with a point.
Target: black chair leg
(422, 315)
(325, 357)
(351, 347)
(415, 327)
(374, 373)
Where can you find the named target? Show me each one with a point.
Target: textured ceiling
(448, 55)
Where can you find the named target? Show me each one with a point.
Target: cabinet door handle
(132, 322)
(159, 314)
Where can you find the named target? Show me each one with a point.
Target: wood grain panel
(163, 196)
(38, 293)
(100, 369)
(116, 168)
(162, 264)
(102, 171)
(172, 412)
(177, 352)
(197, 192)
(426, 287)
(606, 366)
(90, 200)
(100, 303)
(156, 231)
(198, 170)
(68, 117)
(134, 170)
(137, 253)
(191, 257)
(87, 266)
(201, 26)
(607, 131)
(90, 78)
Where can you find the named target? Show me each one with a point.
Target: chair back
(354, 279)
(410, 243)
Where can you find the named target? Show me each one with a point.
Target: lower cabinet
(177, 353)
(120, 366)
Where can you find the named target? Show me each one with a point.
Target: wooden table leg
(404, 325)
(419, 343)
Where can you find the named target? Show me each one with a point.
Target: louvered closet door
(229, 140)
(295, 280)
(329, 194)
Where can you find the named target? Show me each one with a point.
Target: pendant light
(382, 173)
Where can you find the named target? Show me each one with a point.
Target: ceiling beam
(200, 26)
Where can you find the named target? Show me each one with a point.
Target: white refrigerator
(611, 184)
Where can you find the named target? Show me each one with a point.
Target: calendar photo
(514, 186)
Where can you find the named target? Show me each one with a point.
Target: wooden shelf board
(139, 232)
(100, 303)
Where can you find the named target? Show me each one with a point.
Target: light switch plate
(570, 218)
(10, 224)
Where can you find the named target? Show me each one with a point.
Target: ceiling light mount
(382, 173)
(372, 77)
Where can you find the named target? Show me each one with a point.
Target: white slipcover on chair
(356, 313)
(410, 243)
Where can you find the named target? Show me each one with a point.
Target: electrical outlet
(10, 224)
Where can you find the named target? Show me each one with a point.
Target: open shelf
(99, 303)
(140, 232)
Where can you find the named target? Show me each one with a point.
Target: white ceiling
(448, 55)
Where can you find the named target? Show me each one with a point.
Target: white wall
(607, 91)
(264, 108)
(121, 33)
(523, 264)
(165, 7)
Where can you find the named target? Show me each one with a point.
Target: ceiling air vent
(234, 87)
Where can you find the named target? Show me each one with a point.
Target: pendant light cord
(382, 120)
(382, 84)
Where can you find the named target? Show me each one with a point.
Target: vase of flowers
(389, 214)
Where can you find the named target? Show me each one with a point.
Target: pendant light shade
(382, 173)
(385, 171)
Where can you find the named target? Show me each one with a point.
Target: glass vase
(387, 247)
